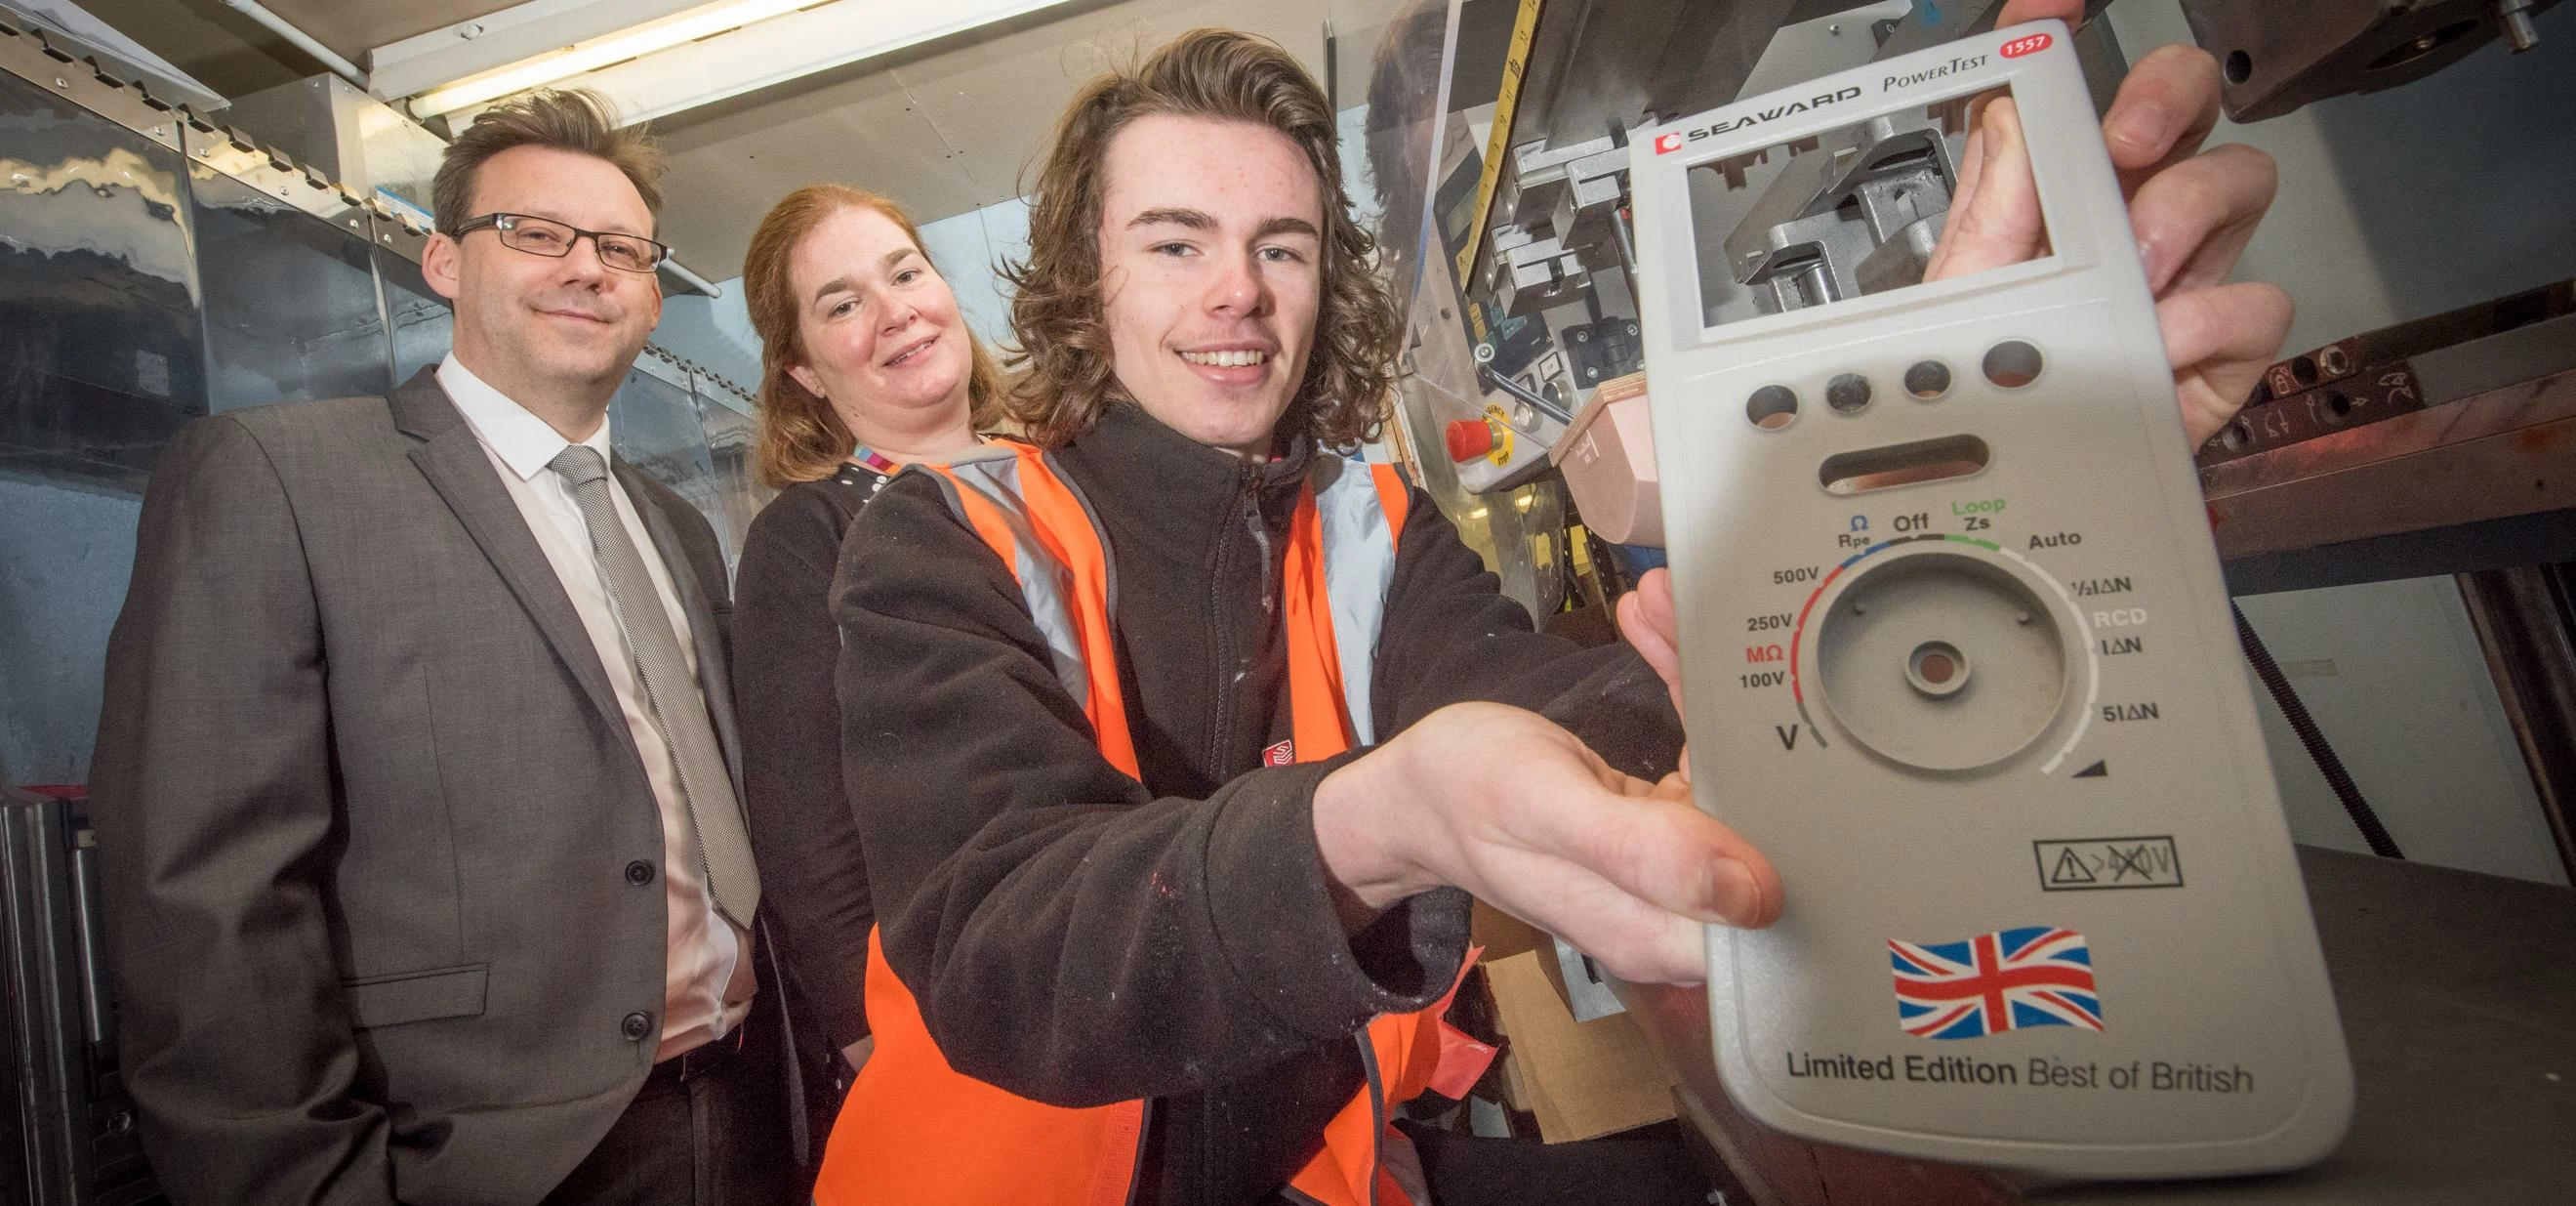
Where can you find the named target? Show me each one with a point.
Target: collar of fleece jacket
(1181, 496)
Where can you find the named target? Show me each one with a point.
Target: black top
(1079, 937)
(812, 877)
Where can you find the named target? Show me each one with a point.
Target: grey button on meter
(1772, 407)
(2013, 363)
(1847, 392)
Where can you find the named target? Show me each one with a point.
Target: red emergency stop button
(1470, 438)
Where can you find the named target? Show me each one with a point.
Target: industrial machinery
(1509, 227)
(1974, 695)
(2274, 58)
(77, 1131)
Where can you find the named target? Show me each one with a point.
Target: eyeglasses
(547, 237)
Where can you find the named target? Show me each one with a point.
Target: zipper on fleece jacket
(1246, 502)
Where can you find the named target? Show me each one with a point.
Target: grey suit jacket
(367, 809)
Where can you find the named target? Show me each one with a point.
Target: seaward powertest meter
(1956, 652)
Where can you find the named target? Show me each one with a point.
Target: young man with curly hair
(1178, 739)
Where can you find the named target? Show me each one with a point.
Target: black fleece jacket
(1079, 937)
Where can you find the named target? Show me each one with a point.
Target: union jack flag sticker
(2007, 980)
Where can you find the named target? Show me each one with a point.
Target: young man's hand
(1522, 815)
(2192, 212)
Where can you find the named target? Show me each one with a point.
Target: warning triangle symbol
(2096, 771)
(2069, 870)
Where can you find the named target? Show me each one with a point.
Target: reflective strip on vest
(1353, 500)
(1359, 570)
(993, 472)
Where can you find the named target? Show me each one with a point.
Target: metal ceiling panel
(406, 65)
(352, 27)
(941, 134)
(804, 48)
(235, 56)
(996, 103)
(727, 170)
(220, 47)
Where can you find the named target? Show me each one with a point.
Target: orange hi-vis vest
(914, 1131)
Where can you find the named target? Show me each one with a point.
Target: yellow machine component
(1515, 65)
(1501, 452)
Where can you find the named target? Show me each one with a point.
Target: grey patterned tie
(671, 696)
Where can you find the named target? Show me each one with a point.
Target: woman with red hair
(866, 366)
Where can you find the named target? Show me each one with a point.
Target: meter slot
(1908, 464)
(1857, 215)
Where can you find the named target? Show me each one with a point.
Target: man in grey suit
(425, 867)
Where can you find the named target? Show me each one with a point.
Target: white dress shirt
(707, 983)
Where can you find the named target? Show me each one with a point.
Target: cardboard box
(1581, 1079)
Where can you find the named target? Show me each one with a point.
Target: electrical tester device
(1957, 655)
